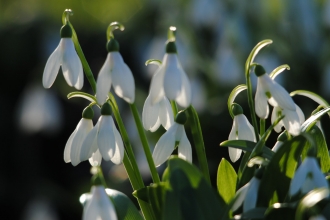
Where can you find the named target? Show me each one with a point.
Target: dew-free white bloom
(280, 140)
(64, 56)
(268, 89)
(307, 177)
(241, 130)
(170, 80)
(291, 122)
(99, 206)
(115, 72)
(166, 144)
(158, 114)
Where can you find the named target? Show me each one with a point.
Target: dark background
(214, 39)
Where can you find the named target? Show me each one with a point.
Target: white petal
(165, 146)
(122, 78)
(184, 99)
(251, 195)
(51, 70)
(184, 148)
(318, 176)
(300, 114)
(244, 128)
(280, 96)
(106, 138)
(291, 122)
(261, 105)
(103, 83)
(96, 158)
(67, 149)
(119, 152)
(71, 64)
(277, 112)
(240, 194)
(172, 77)
(150, 115)
(300, 176)
(166, 113)
(80, 81)
(233, 133)
(83, 128)
(157, 85)
(89, 145)
(234, 154)
(277, 146)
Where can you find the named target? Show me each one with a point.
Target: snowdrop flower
(170, 80)
(291, 122)
(99, 206)
(167, 142)
(116, 73)
(268, 89)
(73, 145)
(248, 194)
(280, 140)
(103, 140)
(65, 56)
(308, 176)
(241, 130)
(158, 114)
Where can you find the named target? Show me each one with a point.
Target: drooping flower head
(268, 89)
(115, 72)
(241, 130)
(170, 80)
(280, 140)
(64, 56)
(168, 141)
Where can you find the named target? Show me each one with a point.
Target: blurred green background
(214, 39)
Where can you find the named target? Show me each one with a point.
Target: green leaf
(247, 146)
(226, 180)
(310, 200)
(153, 61)
(283, 211)
(312, 120)
(84, 95)
(157, 194)
(322, 148)
(233, 95)
(280, 170)
(279, 70)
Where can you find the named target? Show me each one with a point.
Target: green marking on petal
(268, 94)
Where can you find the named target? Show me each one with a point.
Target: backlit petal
(157, 85)
(106, 138)
(166, 113)
(96, 158)
(51, 70)
(240, 196)
(184, 99)
(71, 64)
(184, 148)
(250, 200)
(276, 113)
(150, 115)
(67, 149)
(119, 152)
(261, 105)
(291, 122)
(89, 145)
(103, 83)
(245, 131)
(172, 77)
(234, 154)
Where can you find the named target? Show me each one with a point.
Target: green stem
(262, 126)
(174, 108)
(145, 144)
(196, 131)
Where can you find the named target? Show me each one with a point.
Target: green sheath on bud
(88, 113)
(236, 109)
(112, 45)
(311, 152)
(259, 70)
(283, 137)
(170, 47)
(181, 117)
(106, 109)
(259, 173)
(66, 31)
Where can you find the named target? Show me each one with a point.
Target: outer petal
(71, 64)
(250, 200)
(165, 113)
(300, 176)
(106, 138)
(291, 122)
(241, 194)
(99, 206)
(157, 84)
(184, 148)
(184, 99)
(234, 153)
(280, 96)
(83, 128)
(245, 129)
(172, 77)
(277, 112)
(103, 83)
(150, 115)
(300, 114)
(119, 153)
(96, 158)
(122, 78)
(277, 146)
(51, 70)
(318, 177)
(89, 145)
(67, 149)
(165, 146)
(261, 105)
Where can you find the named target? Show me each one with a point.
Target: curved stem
(197, 135)
(262, 126)
(113, 26)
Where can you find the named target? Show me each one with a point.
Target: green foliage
(226, 180)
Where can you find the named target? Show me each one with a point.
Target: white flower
(66, 56)
(158, 114)
(247, 195)
(292, 120)
(308, 176)
(241, 130)
(170, 80)
(280, 140)
(268, 89)
(104, 139)
(166, 143)
(99, 206)
(116, 73)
